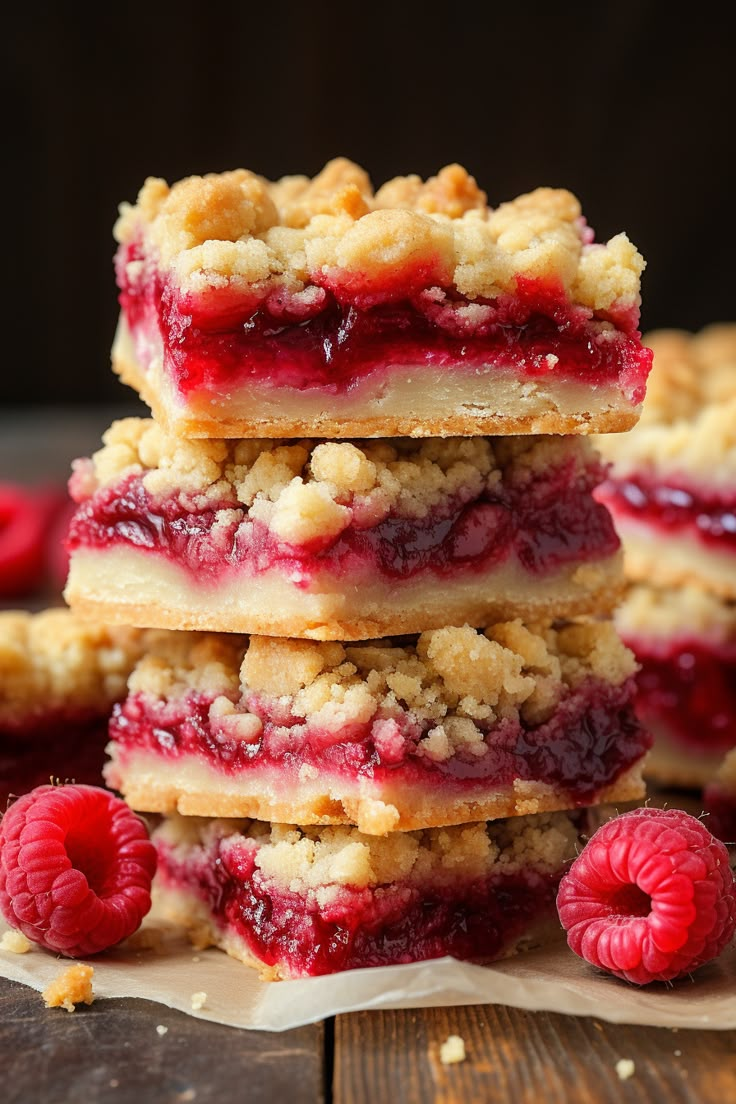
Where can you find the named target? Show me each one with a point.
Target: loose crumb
(16, 942)
(625, 1069)
(161, 1029)
(72, 987)
(114, 1083)
(677, 1053)
(198, 1001)
(452, 1050)
(196, 958)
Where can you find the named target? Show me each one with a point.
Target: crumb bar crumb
(71, 988)
(198, 1001)
(625, 1069)
(15, 942)
(452, 1050)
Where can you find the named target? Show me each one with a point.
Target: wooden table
(112, 1051)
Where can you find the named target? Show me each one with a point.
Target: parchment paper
(552, 979)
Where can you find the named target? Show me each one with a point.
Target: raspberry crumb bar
(338, 540)
(296, 902)
(59, 678)
(251, 308)
(453, 726)
(685, 642)
(672, 490)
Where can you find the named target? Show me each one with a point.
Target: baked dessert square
(672, 486)
(453, 726)
(59, 679)
(297, 902)
(684, 640)
(252, 308)
(338, 540)
(719, 800)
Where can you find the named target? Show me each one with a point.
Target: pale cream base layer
(151, 784)
(128, 586)
(410, 401)
(184, 908)
(667, 560)
(670, 764)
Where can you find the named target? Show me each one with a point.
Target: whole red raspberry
(650, 897)
(75, 869)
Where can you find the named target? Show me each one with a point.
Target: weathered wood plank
(112, 1051)
(525, 1057)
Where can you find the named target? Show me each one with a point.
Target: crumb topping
(454, 683)
(688, 421)
(310, 490)
(318, 860)
(295, 236)
(671, 612)
(72, 987)
(53, 660)
(15, 942)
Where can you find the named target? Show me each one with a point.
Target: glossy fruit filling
(546, 525)
(708, 515)
(590, 740)
(687, 688)
(333, 336)
(393, 924)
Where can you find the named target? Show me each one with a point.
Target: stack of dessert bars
(365, 508)
(672, 492)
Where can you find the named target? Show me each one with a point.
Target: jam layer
(687, 688)
(673, 508)
(295, 928)
(335, 342)
(544, 527)
(591, 741)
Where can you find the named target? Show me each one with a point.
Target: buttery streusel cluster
(308, 489)
(316, 860)
(688, 423)
(453, 683)
(54, 661)
(236, 229)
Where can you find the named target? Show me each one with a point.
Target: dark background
(630, 105)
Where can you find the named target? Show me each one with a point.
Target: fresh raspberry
(650, 897)
(75, 869)
(27, 515)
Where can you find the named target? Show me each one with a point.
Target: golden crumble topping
(71, 988)
(53, 660)
(319, 860)
(688, 421)
(235, 229)
(453, 682)
(306, 490)
(671, 612)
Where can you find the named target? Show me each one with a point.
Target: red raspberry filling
(687, 688)
(76, 867)
(344, 335)
(650, 898)
(554, 522)
(675, 507)
(591, 739)
(382, 926)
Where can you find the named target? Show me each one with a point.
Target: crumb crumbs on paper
(677, 1053)
(161, 1029)
(452, 1050)
(15, 942)
(198, 1001)
(625, 1069)
(71, 988)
